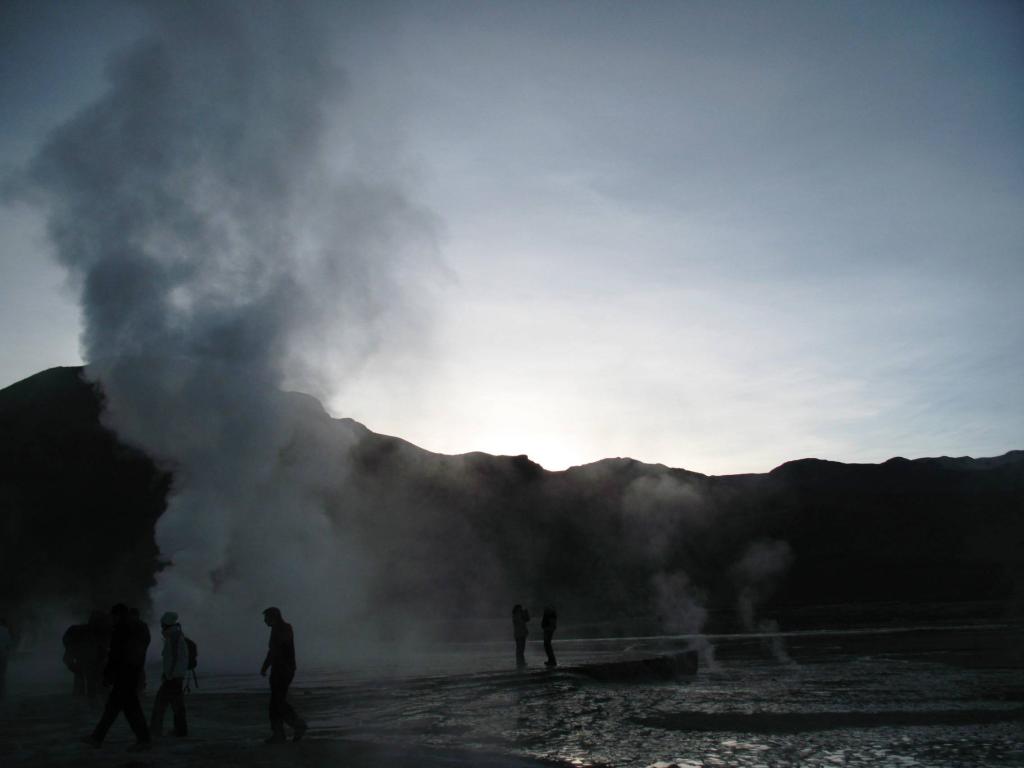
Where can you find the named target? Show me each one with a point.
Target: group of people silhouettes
(114, 653)
(548, 624)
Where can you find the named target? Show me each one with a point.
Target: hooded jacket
(175, 653)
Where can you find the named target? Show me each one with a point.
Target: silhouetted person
(281, 663)
(548, 623)
(6, 649)
(85, 651)
(172, 678)
(76, 640)
(519, 618)
(141, 639)
(122, 671)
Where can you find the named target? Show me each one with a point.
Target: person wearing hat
(281, 663)
(175, 668)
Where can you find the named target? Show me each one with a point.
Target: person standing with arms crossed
(281, 663)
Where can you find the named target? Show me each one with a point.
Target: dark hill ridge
(77, 508)
(475, 532)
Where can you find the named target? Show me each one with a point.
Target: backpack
(193, 657)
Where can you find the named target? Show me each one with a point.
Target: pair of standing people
(124, 670)
(548, 624)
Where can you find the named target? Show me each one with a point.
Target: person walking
(520, 616)
(122, 672)
(548, 623)
(140, 644)
(172, 685)
(281, 663)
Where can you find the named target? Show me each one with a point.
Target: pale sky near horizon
(717, 236)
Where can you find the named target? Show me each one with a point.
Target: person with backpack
(177, 660)
(79, 647)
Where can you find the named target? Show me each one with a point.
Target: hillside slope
(468, 535)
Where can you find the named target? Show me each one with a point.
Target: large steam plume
(224, 248)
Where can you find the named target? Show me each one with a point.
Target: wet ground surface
(940, 696)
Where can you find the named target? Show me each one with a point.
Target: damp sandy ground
(902, 696)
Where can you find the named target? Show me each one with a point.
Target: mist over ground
(445, 545)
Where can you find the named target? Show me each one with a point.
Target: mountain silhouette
(78, 510)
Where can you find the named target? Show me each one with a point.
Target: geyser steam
(223, 251)
(757, 575)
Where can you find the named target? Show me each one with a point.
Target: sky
(716, 236)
